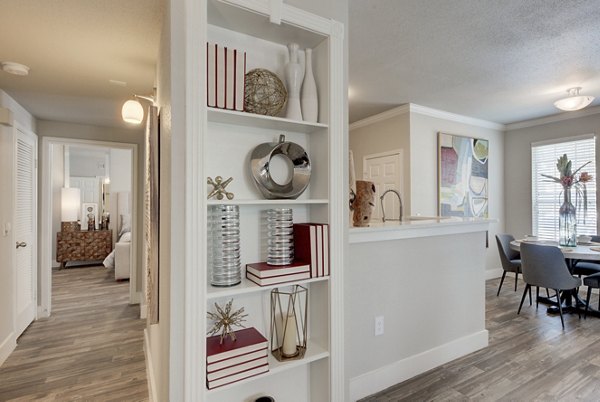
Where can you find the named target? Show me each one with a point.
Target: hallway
(91, 348)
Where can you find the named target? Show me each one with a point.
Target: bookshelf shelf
(250, 287)
(259, 121)
(268, 202)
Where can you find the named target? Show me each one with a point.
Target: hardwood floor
(90, 349)
(530, 358)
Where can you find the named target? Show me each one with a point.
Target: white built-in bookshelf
(227, 139)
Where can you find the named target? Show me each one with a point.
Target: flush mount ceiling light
(132, 111)
(574, 101)
(14, 68)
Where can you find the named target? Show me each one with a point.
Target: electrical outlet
(379, 325)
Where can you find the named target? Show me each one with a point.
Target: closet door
(25, 229)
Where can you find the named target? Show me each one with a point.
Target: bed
(120, 257)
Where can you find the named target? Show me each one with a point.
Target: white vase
(293, 79)
(309, 99)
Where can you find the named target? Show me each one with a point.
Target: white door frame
(45, 278)
(34, 238)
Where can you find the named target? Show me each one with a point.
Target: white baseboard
(149, 368)
(42, 312)
(137, 296)
(493, 273)
(143, 311)
(394, 373)
(7, 346)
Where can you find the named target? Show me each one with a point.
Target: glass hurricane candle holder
(289, 315)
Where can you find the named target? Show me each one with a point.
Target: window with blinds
(547, 196)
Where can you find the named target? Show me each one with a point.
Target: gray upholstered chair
(510, 258)
(585, 267)
(592, 282)
(545, 266)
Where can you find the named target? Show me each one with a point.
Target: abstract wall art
(462, 176)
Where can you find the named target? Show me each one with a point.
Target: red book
(237, 377)
(278, 279)
(305, 245)
(264, 270)
(234, 361)
(248, 340)
(229, 371)
(322, 248)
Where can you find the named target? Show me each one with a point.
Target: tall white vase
(309, 98)
(293, 79)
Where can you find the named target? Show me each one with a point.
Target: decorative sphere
(265, 93)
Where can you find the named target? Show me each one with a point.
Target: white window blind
(547, 196)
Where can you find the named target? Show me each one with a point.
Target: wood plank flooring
(90, 349)
(530, 358)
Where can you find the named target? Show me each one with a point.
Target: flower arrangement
(569, 178)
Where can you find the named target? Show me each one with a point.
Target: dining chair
(592, 282)
(545, 266)
(587, 267)
(509, 258)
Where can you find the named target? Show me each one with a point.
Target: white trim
(149, 368)
(563, 139)
(143, 311)
(137, 297)
(426, 111)
(493, 273)
(388, 114)
(42, 313)
(552, 118)
(7, 346)
(45, 246)
(459, 118)
(402, 370)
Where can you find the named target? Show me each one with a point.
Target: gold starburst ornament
(224, 321)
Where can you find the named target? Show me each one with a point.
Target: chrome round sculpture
(280, 236)
(224, 245)
(260, 164)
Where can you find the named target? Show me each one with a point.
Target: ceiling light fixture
(15, 68)
(132, 110)
(574, 101)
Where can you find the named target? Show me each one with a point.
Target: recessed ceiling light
(15, 68)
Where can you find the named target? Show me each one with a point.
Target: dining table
(571, 302)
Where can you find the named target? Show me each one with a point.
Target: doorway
(385, 170)
(103, 186)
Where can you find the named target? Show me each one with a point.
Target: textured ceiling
(503, 61)
(74, 47)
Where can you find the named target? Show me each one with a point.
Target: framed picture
(89, 216)
(462, 176)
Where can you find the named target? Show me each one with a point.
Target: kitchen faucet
(383, 211)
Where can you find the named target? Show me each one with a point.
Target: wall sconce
(132, 110)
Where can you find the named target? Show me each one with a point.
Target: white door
(25, 229)
(385, 170)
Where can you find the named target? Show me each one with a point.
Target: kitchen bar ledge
(417, 226)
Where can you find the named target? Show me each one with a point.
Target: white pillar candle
(289, 337)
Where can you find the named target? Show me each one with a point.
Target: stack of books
(264, 274)
(233, 361)
(311, 245)
(225, 77)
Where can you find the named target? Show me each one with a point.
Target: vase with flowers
(567, 214)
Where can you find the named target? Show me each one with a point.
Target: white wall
(7, 240)
(517, 162)
(86, 165)
(120, 170)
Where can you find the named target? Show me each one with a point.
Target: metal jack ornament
(219, 188)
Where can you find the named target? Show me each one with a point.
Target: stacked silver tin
(224, 245)
(280, 236)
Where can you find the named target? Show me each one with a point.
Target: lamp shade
(574, 101)
(132, 112)
(70, 204)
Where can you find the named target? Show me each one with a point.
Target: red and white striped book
(229, 371)
(248, 340)
(305, 245)
(237, 377)
(233, 361)
(278, 279)
(263, 270)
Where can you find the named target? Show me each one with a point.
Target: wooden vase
(363, 203)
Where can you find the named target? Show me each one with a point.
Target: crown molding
(553, 118)
(426, 111)
(388, 114)
(459, 118)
